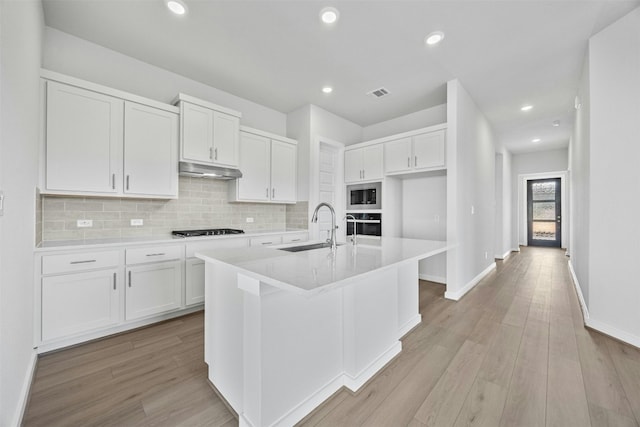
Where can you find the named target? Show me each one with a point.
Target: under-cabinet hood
(208, 171)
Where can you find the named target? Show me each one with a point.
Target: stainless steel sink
(308, 247)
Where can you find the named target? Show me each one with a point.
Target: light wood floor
(513, 352)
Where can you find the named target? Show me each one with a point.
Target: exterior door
(544, 213)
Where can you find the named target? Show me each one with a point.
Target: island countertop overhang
(320, 270)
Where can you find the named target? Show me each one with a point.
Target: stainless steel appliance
(367, 224)
(364, 196)
(206, 232)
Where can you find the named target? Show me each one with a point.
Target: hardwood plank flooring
(512, 352)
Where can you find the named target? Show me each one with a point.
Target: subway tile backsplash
(202, 203)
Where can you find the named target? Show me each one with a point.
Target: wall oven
(364, 196)
(366, 224)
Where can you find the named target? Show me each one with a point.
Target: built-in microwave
(364, 196)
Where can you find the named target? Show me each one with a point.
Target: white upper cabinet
(363, 164)
(150, 151)
(415, 153)
(209, 133)
(83, 140)
(103, 142)
(269, 168)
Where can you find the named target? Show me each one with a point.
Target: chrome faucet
(355, 228)
(314, 218)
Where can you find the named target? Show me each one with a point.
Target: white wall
(20, 59)
(527, 164)
(329, 125)
(299, 128)
(470, 191)
(579, 194)
(76, 57)
(423, 118)
(614, 228)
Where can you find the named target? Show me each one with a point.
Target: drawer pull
(129, 278)
(83, 262)
(158, 254)
(267, 243)
(295, 240)
(113, 181)
(114, 281)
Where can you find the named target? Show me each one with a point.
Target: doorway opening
(544, 212)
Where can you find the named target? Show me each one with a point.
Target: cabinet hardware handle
(267, 193)
(416, 161)
(113, 181)
(215, 154)
(267, 243)
(408, 162)
(211, 153)
(129, 278)
(295, 240)
(83, 262)
(273, 193)
(127, 182)
(158, 254)
(363, 174)
(114, 281)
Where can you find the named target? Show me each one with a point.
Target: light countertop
(320, 269)
(159, 239)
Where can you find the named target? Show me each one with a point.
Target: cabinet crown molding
(206, 104)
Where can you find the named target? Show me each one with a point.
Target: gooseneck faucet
(314, 218)
(355, 228)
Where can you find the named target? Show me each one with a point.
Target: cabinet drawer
(294, 238)
(193, 248)
(68, 263)
(266, 240)
(153, 254)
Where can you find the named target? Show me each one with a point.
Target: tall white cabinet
(269, 168)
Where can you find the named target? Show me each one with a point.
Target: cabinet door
(429, 150)
(153, 289)
(254, 165)
(397, 155)
(83, 140)
(197, 133)
(79, 302)
(353, 165)
(372, 162)
(195, 281)
(284, 158)
(150, 151)
(225, 139)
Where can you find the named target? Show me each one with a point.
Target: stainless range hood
(208, 171)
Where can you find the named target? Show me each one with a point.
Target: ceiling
(506, 53)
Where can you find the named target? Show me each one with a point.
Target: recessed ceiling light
(177, 7)
(329, 15)
(535, 140)
(526, 107)
(327, 89)
(434, 38)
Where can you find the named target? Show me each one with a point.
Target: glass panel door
(544, 213)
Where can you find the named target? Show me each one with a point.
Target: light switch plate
(84, 223)
(249, 219)
(1, 203)
(137, 222)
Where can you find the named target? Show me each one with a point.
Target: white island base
(275, 354)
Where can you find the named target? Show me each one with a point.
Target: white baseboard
(504, 256)
(516, 249)
(26, 387)
(456, 295)
(576, 285)
(354, 383)
(408, 326)
(432, 278)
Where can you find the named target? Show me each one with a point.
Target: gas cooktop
(207, 232)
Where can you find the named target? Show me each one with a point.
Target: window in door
(544, 212)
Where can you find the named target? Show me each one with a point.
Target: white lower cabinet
(194, 281)
(153, 289)
(80, 302)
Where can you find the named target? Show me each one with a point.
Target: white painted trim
(432, 278)
(516, 249)
(408, 326)
(410, 133)
(205, 104)
(504, 256)
(521, 211)
(354, 383)
(613, 332)
(583, 304)
(24, 392)
(267, 134)
(459, 294)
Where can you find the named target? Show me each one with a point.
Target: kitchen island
(285, 330)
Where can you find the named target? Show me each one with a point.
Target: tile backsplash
(202, 203)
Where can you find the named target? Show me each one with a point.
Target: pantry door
(544, 213)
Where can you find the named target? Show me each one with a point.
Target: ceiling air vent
(379, 93)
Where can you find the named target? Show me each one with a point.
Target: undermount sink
(308, 247)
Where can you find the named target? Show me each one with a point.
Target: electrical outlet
(249, 220)
(473, 210)
(84, 223)
(137, 222)
(486, 255)
(436, 218)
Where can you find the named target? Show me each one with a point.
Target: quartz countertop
(319, 270)
(159, 239)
